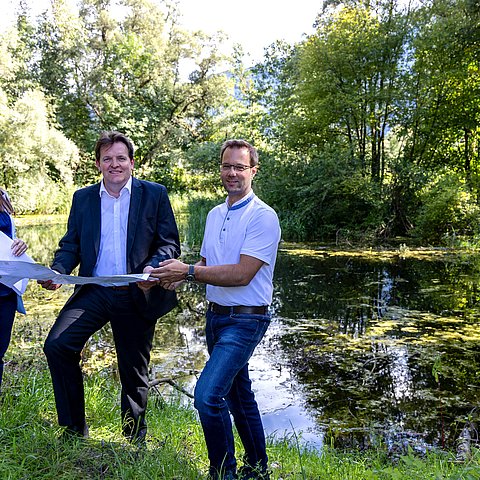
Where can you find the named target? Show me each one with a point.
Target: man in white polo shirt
(238, 256)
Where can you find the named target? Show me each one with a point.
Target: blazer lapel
(96, 221)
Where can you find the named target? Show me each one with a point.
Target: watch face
(190, 276)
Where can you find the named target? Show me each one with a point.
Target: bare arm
(230, 275)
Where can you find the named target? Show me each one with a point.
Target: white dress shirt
(112, 254)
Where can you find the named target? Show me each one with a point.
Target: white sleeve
(262, 237)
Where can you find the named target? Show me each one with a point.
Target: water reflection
(361, 346)
(365, 336)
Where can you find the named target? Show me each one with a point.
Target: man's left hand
(146, 285)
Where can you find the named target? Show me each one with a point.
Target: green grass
(175, 448)
(31, 448)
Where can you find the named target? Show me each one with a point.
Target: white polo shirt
(248, 227)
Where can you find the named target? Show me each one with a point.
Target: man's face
(115, 166)
(236, 183)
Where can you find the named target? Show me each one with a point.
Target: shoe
(139, 439)
(246, 472)
(74, 432)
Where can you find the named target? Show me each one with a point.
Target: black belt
(223, 310)
(120, 287)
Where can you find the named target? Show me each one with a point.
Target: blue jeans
(8, 306)
(224, 386)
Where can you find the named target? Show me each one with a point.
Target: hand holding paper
(14, 250)
(16, 270)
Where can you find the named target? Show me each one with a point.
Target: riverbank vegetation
(367, 129)
(175, 447)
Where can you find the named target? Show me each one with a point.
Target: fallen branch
(171, 382)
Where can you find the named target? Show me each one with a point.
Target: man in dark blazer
(120, 226)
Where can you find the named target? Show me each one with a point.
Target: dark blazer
(152, 237)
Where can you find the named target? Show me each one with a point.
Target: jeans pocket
(250, 327)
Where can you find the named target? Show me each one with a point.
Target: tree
(441, 115)
(348, 82)
(104, 72)
(37, 160)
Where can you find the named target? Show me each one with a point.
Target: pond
(364, 346)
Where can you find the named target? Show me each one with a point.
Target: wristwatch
(190, 276)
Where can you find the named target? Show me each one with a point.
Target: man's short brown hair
(238, 143)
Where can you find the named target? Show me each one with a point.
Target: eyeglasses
(225, 167)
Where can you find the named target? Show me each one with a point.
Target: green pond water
(364, 346)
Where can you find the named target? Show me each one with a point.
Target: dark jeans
(224, 386)
(8, 306)
(87, 313)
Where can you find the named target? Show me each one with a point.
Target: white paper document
(12, 270)
(15, 271)
(18, 284)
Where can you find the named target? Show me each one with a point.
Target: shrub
(447, 208)
(41, 195)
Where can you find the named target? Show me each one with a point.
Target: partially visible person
(118, 226)
(238, 257)
(10, 302)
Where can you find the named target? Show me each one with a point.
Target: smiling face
(116, 167)
(236, 183)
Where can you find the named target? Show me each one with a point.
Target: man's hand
(49, 284)
(146, 285)
(19, 247)
(172, 286)
(171, 273)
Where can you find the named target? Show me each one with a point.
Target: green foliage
(37, 159)
(345, 85)
(243, 113)
(197, 210)
(46, 198)
(443, 87)
(362, 114)
(30, 144)
(370, 74)
(448, 208)
(29, 435)
(317, 197)
(126, 73)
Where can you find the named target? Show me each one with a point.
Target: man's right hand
(50, 284)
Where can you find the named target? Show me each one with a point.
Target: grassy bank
(175, 448)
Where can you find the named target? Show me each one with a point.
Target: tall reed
(191, 213)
